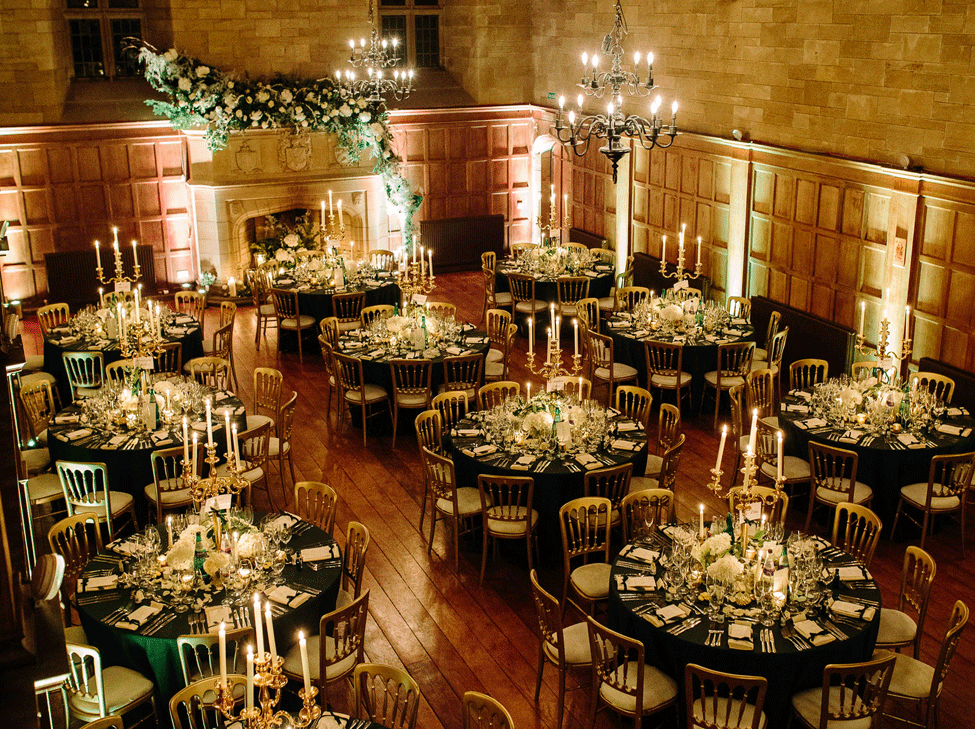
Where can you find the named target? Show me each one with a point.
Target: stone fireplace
(269, 171)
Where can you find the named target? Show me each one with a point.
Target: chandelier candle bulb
(724, 436)
(305, 673)
(222, 634)
(430, 256)
(663, 252)
(226, 431)
(115, 233)
(249, 694)
(528, 390)
(258, 625)
(271, 644)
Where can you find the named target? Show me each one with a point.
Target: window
(100, 33)
(417, 24)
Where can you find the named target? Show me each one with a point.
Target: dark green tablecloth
(156, 656)
(787, 670)
(546, 288)
(882, 463)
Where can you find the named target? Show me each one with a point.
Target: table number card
(143, 363)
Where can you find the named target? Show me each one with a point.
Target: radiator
(71, 274)
(457, 243)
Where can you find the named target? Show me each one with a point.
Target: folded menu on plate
(474, 340)
(285, 519)
(801, 394)
(813, 632)
(217, 614)
(625, 427)
(643, 554)
(670, 613)
(77, 434)
(454, 350)
(849, 574)
(124, 546)
(954, 430)
(618, 324)
(105, 582)
(740, 636)
(641, 333)
(850, 436)
(68, 340)
(955, 412)
(160, 437)
(796, 408)
(587, 461)
(64, 419)
(468, 432)
(636, 583)
(812, 423)
(625, 445)
(485, 450)
(523, 463)
(139, 617)
(852, 610)
(284, 595)
(317, 554)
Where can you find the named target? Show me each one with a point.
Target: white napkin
(740, 637)
(285, 520)
(77, 434)
(851, 436)
(217, 614)
(848, 574)
(955, 412)
(625, 445)
(812, 423)
(523, 463)
(813, 632)
(68, 340)
(797, 408)
(587, 461)
(626, 427)
(669, 613)
(454, 350)
(468, 432)
(105, 582)
(638, 583)
(801, 394)
(59, 419)
(907, 439)
(474, 340)
(953, 430)
(124, 547)
(284, 595)
(643, 554)
(485, 450)
(316, 554)
(139, 617)
(846, 609)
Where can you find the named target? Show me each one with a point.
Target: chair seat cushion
(669, 382)
(507, 527)
(122, 686)
(759, 354)
(502, 298)
(45, 486)
(372, 393)
(80, 392)
(620, 372)
(592, 580)
(607, 304)
(37, 459)
(712, 713)
(808, 703)
(170, 498)
(726, 382)
(861, 494)
(494, 369)
(274, 447)
(292, 661)
(658, 689)
(266, 309)
(568, 310)
(344, 599)
(529, 307)
(256, 421)
(639, 483)
(471, 392)
(468, 502)
(34, 362)
(302, 322)
(896, 627)
(793, 467)
(35, 378)
(494, 355)
(412, 399)
(912, 678)
(654, 464)
(917, 493)
(251, 474)
(121, 501)
(577, 649)
(348, 326)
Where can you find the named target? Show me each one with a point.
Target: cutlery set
(198, 624)
(767, 640)
(714, 638)
(157, 624)
(797, 640)
(241, 617)
(683, 627)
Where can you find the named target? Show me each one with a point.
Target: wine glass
(277, 566)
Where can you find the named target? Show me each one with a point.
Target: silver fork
(714, 638)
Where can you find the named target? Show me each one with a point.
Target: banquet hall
(789, 182)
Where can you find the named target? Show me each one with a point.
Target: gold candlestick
(679, 273)
(882, 341)
(553, 367)
(120, 276)
(202, 489)
(415, 279)
(331, 232)
(268, 677)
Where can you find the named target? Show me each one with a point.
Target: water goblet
(717, 590)
(278, 562)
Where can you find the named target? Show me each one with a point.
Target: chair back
(329, 327)
(605, 255)
(110, 298)
(348, 373)
(628, 297)
(482, 712)
(717, 700)
(506, 501)
(489, 260)
(168, 359)
(412, 382)
(316, 503)
(494, 393)
(53, 315)
(223, 340)
(118, 371)
(600, 351)
(267, 391)
(522, 287)
(382, 259)
(831, 468)
(255, 446)
(804, 374)
(38, 402)
(956, 625)
(950, 476)
(760, 393)
(508, 345)
(386, 695)
(771, 330)
(347, 308)
(452, 406)
(855, 691)
(587, 309)
(585, 524)
(429, 430)
(617, 663)
(776, 348)
(199, 655)
(609, 483)
(941, 386)
(228, 313)
(664, 359)
(571, 289)
(71, 538)
(84, 369)
(167, 473)
(354, 557)
(671, 462)
(369, 314)
(740, 307)
(192, 707)
(490, 288)
(519, 249)
(85, 675)
(285, 305)
(578, 387)
(856, 530)
(345, 630)
(917, 576)
(463, 372)
(735, 359)
(736, 395)
(86, 485)
(497, 327)
(286, 422)
(112, 721)
(668, 427)
(192, 303)
(645, 510)
(634, 403)
(860, 370)
(549, 614)
(210, 372)
(767, 444)
(772, 504)
(441, 476)
(442, 309)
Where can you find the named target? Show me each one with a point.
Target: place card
(625, 445)
(284, 595)
(954, 430)
(636, 583)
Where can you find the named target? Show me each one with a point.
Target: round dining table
(789, 664)
(127, 452)
(151, 647)
(558, 479)
(885, 462)
(181, 328)
(600, 277)
(700, 353)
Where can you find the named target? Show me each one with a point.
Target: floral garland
(201, 95)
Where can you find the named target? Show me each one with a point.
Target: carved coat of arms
(294, 151)
(246, 158)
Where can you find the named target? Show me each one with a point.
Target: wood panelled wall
(62, 188)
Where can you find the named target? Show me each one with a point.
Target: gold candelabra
(746, 497)
(120, 276)
(553, 367)
(268, 677)
(680, 274)
(215, 484)
(883, 338)
(415, 279)
(139, 339)
(551, 228)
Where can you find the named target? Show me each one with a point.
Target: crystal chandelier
(614, 126)
(376, 60)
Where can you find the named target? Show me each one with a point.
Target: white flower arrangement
(671, 313)
(215, 562)
(250, 544)
(725, 569)
(712, 548)
(538, 424)
(395, 324)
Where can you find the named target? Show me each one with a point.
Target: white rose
(202, 71)
(184, 84)
(345, 110)
(282, 255)
(364, 116)
(250, 544)
(256, 115)
(725, 569)
(238, 113)
(215, 562)
(286, 96)
(377, 129)
(263, 96)
(171, 55)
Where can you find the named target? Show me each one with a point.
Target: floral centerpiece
(285, 241)
(532, 426)
(876, 405)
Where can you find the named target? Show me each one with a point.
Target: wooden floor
(454, 635)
